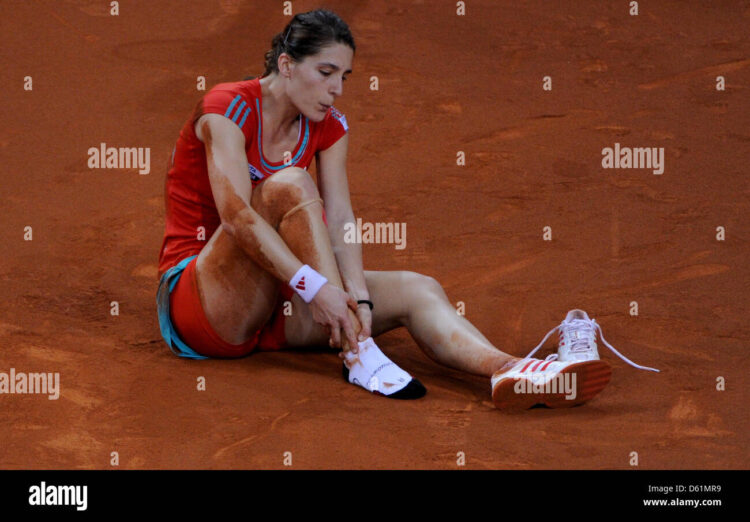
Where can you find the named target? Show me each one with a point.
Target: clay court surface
(447, 83)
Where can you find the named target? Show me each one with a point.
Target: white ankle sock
(373, 371)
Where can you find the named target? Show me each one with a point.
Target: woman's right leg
(238, 296)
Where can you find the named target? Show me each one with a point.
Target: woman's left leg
(419, 303)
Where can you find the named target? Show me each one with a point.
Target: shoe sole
(591, 378)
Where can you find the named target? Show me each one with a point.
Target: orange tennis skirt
(189, 322)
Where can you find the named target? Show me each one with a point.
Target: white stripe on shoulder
(339, 116)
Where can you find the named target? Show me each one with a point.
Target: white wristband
(306, 282)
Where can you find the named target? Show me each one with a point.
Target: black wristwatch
(365, 301)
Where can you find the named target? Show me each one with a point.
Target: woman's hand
(330, 309)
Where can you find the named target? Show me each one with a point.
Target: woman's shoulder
(249, 87)
(234, 100)
(331, 128)
(335, 118)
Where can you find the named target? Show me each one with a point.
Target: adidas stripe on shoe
(556, 384)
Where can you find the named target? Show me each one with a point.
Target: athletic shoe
(578, 340)
(556, 384)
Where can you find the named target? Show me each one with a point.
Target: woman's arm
(231, 187)
(334, 189)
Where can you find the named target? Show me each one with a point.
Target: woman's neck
(279, 113)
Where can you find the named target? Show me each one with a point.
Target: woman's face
(317, 81)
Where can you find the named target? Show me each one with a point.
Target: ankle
(507, 365)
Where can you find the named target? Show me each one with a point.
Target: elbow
(235, 212)
(235, 217)
(229, 228)
(339, 218)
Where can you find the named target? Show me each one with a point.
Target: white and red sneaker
(578, 340)
(554, 383)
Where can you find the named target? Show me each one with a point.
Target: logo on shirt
(255, 174)
(336, 114)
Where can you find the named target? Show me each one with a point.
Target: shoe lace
(581, 333)
(589, 328)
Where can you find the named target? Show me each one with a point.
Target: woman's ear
(285, 65)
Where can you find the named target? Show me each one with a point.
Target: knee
(294, 183)
(420, 285)
(282, 192)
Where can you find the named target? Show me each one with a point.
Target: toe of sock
(413, 390)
